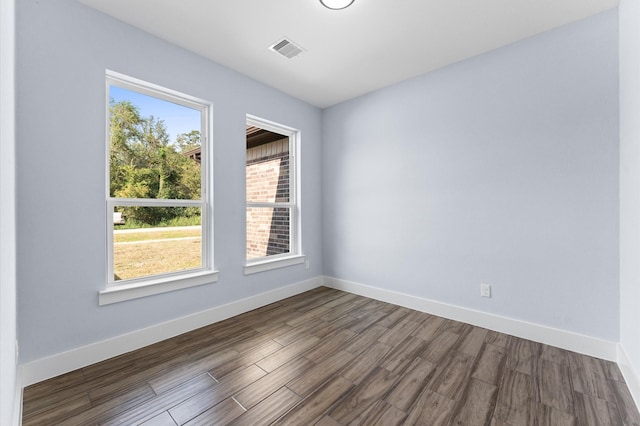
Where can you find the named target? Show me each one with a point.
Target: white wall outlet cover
(485, 290)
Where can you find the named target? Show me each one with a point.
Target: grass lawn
(143, 255)
(156, 234)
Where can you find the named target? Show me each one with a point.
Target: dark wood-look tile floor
(327, 357)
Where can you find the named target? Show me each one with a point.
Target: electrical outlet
(485, 290)
(17, 352)
(307, 264)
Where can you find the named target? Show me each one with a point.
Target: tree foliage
(188, 141)
(144, 163)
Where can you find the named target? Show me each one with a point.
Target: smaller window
(158, 188)
(272, 224)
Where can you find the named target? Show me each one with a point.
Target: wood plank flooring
(326, 357)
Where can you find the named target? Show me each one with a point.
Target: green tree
(190, 180)
(145, 164)
(188, 141)
(124, 130)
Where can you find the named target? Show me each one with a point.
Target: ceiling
(350, 52)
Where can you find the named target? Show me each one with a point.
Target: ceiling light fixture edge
(336, 4)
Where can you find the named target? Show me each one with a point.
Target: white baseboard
(54, 365)
(17, 402)
(631, 376)
(551, 336)
(45, 368)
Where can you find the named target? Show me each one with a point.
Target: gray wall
(501, 169)
(630, 181)
(8, 359)
(63, 51)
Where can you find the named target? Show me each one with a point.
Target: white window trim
(273, 262)
(149, 287)
(295, 256)
(118, 291)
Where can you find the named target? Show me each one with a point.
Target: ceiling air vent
(287, 48)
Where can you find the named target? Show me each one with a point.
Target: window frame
(294, 256)
(116, 291)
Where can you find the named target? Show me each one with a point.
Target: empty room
(320, 212)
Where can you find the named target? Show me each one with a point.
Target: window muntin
(157, 182)
(272, 210)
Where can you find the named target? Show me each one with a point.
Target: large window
(272, 230)
(158, 186)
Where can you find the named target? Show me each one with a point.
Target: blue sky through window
(177, 118)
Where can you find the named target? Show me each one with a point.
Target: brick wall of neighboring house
(268, 181)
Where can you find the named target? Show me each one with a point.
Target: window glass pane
(268, 171)
(154, 147)
(142, 249)
(268, 231)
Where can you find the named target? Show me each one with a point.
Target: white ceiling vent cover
(286, 48)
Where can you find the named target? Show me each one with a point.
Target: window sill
(267, 265)
(122, 292)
